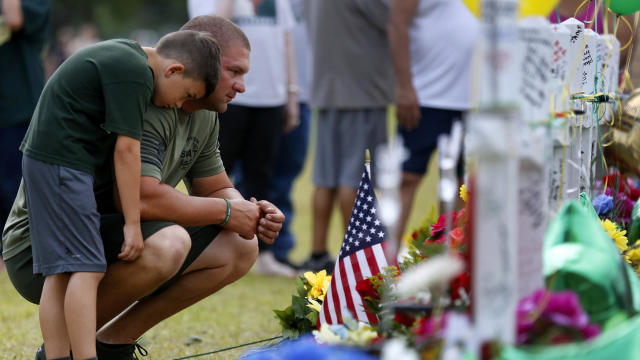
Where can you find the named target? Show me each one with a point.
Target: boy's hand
(271, 221)
(244, 218)
(133, 243)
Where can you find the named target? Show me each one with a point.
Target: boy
(91, 108)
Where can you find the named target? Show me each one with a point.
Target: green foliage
(298, 318)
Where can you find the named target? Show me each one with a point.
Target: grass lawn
(238, 314)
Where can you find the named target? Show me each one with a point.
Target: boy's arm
(126, 159)
(401, 14)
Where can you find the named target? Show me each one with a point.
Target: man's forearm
(12, 13)
(163, 202)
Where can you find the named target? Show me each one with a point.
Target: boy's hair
(223, 30)
(197, 51)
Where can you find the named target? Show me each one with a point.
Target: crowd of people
(95, 230)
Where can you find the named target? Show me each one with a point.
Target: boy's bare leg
(52, 321)
(225, 260)
(346, 197)
(80, 313)
(125, 282)
(323, 199)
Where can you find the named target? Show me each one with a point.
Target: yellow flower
(319, 284)
(633, 255)
(363, 335)
(314, 305)
(464, 195)
(618, 236)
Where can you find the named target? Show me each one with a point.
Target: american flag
(361, 256)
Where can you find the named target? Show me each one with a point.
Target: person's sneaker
(40, 355)
(119, 351)
(268, 265)
(315, 263)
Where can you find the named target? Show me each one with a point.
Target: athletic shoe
(119, 351)
(325, 262)
(40, 355)
(268, 265)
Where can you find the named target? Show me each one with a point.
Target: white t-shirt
(302, 50)
(442, 37)
(265, 26)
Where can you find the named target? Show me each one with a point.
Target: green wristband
(226, 218)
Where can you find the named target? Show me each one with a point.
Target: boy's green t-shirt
(175, 146)
(100, 91)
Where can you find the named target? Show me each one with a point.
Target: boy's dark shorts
(29, 285)
(64, 224)
(423, 140)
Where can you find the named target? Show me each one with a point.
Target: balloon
(537, 7)
(473, 6)
(623, 7)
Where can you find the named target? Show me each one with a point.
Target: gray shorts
(343, 136)
(64, 223)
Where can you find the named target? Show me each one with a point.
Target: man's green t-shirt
(99, 92)
(178, 146)
(175, 146)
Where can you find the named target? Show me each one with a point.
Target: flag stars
(373, 210)
(380, 234)
(357, 243)
(365, 206)
(366, 186)
(377, 222)
(369, 198)
(368, 218)
(368, 238)
(357, 223)
(360, 234)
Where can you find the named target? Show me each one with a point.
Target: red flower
(442, 224)
(462, 281)
(414, 235)
(457, 237)
(404, 318)
(365, 288)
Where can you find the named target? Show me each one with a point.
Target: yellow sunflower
(617, 235)
(464, 195)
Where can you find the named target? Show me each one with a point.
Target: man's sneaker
(268, 265)
(40, 355)
(315, 264)
(119, 351)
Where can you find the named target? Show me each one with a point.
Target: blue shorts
(423, 140)
(64, 223)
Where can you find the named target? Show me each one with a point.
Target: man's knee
(166, 250)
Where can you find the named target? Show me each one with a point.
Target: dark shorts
(423, 140)
(29, 285)
(64, 223)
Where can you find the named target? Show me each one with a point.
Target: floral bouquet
(302, 315)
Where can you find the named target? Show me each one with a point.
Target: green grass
(240, 313)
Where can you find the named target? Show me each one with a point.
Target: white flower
(397, 349)
(432, 272)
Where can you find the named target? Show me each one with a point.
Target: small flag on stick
(361, 256)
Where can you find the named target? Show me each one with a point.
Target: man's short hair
(223, 30)
(198, 51)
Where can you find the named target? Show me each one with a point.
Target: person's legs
(408, 187)
(10, 167)
(52, 316)
(125, 282)
(292, 152)
(323, 199)
(234, 125)
(222, 262)
(346, 199)
(80, 313)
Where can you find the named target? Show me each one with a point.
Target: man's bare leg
(346, 198)
(408, 188)
(323, 199)
(224, 261)
(126, 282)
